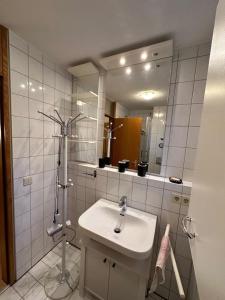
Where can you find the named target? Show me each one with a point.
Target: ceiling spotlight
(122, 61)
(144, 55)
(147, 67)
(128, 70)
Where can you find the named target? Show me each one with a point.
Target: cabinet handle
(105, 260)
(113, 265)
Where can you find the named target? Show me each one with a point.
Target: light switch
(27, 180)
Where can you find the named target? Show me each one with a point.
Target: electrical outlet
(176, 198)
(185, 200)
(27, 180)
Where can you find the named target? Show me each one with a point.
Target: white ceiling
(71, 31)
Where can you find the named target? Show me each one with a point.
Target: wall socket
(181, 199)
(27, 180)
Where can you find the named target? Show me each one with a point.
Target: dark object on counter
(127, 162)
(121, 166)
(107, 160)
(142, 169)
(175, 180)
(144, 163)
(101, 163)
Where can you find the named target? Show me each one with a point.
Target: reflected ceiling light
(147, 95)
(23, 86)
(80, 103)
(30, 83)
(122, 61)
(94, 94)
(40, 88)
(128, 70)
(147, 66)
(33, 90)
(144, 55)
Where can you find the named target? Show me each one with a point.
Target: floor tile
(51, 259)
(36, 293)
(39, 271)
(23, 285)
(9, 294)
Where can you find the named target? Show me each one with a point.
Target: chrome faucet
(123, 205)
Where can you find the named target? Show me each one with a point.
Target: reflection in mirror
(135, 114)
(85, 101)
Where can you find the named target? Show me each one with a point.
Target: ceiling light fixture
(144, 55)
(147, 95)
(122, 61)
(128, 70)
(147, 66)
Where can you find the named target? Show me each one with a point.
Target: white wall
(185, 104)
(121, 111)
(36, 83)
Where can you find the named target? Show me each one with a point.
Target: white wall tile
(171, 218)
(101, 183)
(36, 146)
(113, 186)
(189, 158)
(22, 205)
(37, 182)
(139, 193)
(154, 197)
(35, 69)
(34, 107)
(19, 83)
(35, 90)
(202, 68)
(49, 95)
(199, 91)
(36, 164)
(181, 114)
(196, 112)
(18, 61)
(192, 141)
(20, 167)
(49, 77)
(168, 203)
(183, 93)
(176, 157)
(18, 42)
(35, 53)
(22, 223)
(20, 147)
(178, 136)
(36, 129)
(125, 188)
(186, 70)
(19, 106)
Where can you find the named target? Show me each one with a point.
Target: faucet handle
(123, 201)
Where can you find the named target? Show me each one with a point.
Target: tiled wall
(84, 102)
(189, 72)
(153, 195)
(36, 84)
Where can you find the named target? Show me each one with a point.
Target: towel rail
(175, 269)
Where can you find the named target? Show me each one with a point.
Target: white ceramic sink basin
(137, 228)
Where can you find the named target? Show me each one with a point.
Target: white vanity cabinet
(109, 275)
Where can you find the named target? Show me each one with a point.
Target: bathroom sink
(137, 228)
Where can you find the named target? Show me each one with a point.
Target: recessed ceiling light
(122, 61)
(128, 70)
(147, 95)
(144, 55)
(147, 66)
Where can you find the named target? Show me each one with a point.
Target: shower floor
(31, 285)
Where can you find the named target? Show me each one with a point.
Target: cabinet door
(123, 284)
(96, 274)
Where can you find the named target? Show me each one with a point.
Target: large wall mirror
(137, 88)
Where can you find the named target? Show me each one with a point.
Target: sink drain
(117, 230)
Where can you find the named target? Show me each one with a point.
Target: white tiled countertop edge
(152, 180)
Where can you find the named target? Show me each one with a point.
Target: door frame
(6, 198)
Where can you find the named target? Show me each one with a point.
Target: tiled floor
(31, 285)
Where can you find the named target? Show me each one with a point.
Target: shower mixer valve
(63, 186)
